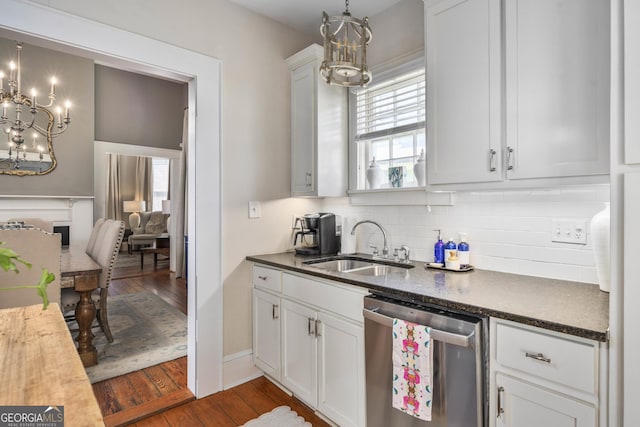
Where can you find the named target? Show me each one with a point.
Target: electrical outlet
(569, 231)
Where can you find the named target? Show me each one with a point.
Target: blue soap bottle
(438, 250)
(450, 246)
(463, 250)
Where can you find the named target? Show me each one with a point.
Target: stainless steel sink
(358, 265)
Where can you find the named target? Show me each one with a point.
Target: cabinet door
(557, 88)
(527, 405)
(266, 333)
(463, 91)
(299, 351)
(303, 129)
(341, 370)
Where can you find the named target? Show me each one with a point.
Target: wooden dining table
(40, 366)
(80, 272)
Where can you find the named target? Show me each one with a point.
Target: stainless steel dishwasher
(459, 364)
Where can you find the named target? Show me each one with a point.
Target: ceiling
(306, 15)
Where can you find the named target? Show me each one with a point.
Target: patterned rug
(282, 416)
(146, 331)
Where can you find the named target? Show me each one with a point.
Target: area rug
(282, 416)
(146, 331)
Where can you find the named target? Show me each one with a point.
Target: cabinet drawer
(562, 360)
(267, 278)
(329, 297)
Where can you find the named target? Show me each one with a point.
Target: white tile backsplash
(508, 231)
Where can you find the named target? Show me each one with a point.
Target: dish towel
(412, 357)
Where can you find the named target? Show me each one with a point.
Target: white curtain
(144, 182)
(114, 196)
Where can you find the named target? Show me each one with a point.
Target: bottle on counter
(463, 251)
(449, 247)
(438, 250)
(452, 263)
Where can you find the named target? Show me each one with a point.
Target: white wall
(508, 231)
(255, 122)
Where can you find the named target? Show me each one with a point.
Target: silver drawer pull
(539, 356)
(262, 277)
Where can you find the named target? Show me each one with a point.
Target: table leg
(85, 313)
(141, 260)
(155, 259)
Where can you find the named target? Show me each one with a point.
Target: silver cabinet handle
(262, 277)
(317, 325)
(309, 322)
(500, 409)
(308, 178)
(436, 334)
(509, 158)
(537, 356)
(492, 160)
(274, 313)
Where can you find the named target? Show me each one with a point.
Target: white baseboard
(238, 368)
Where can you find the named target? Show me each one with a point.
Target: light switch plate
(255, 210)
(569, 231)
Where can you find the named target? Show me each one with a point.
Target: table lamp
(134, 206)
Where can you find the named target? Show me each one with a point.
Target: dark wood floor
(158, 396)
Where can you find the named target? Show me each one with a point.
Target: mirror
(35, 155)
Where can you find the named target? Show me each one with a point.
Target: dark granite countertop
(570, 307)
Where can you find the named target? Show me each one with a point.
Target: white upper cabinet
(557, 88)
(517, 93)
(463, 91)
(318, 129)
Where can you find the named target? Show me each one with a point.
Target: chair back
(42, 250)
(94, 235)
(107, 247)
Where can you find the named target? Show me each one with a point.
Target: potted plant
(8, 262)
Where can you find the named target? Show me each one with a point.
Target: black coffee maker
(320, 230)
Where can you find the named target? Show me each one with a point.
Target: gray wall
(73, 149)
(139, 110)
(107, 105)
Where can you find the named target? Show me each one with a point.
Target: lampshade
(134, 206)
(166, 206)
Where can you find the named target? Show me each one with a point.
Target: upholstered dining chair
(42, 250)
(91, 245)
(105, 252)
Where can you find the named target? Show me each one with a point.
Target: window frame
(403, 65)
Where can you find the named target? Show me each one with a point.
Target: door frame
(50, 28)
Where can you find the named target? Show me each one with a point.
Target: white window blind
(391, 107)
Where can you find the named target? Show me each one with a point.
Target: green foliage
(8, 260)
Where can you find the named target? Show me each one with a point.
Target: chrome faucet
(407, 253)
(385, 249)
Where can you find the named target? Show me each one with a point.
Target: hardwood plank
(145, 388)
(145, 410)
(162, 381)
(260, 402)
(236, 408)
(125, 393)
(210, 413)
(182, 416)
(106, 398)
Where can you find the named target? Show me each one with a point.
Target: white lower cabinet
(319, 344)
(341, 370)
(543, 378)
(266, 333)
(300, 351)
(528, 405)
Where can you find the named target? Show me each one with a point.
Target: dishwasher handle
(438, 335)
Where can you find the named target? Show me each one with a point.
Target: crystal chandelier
(19, 113)
(345, 49)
